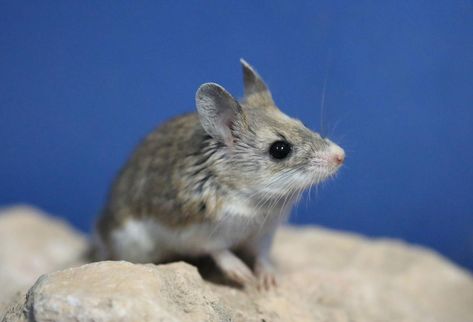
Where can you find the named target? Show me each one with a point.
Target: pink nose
(339, 157)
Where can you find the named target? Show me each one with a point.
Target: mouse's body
(215, 182)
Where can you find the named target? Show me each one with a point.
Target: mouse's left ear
(256, 90)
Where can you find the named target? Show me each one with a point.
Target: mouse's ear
(255, 88)
(219, 112)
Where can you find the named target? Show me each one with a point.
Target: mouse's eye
(280, 150)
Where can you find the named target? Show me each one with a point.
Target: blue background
(82, 82)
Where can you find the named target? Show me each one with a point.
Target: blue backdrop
(82, 82)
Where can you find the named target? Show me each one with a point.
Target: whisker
(322, 105)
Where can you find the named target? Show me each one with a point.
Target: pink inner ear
(229, 140)
(228, 120)
(229, 124)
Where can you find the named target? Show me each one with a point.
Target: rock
(360, 279)
(323, 276)
(32, 244)
(121, 291)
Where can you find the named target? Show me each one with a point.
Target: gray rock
(121, 291)
(323, 276)
(31, 244)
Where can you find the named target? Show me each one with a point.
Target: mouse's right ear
(219, 112)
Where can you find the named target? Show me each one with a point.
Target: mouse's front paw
(240, 274)
(265, 274)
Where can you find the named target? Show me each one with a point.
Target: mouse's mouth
(321, 171)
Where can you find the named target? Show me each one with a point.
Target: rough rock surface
(31, 244)
(323, 276)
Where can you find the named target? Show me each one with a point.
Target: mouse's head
(264, 150)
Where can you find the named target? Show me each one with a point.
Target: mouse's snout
(336, 155)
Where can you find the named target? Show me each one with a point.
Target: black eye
(280, 149)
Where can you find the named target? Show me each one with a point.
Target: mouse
(217, 182)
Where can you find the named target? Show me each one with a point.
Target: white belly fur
(146, 240)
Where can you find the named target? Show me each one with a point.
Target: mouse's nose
(337, 155)
(339, 158)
